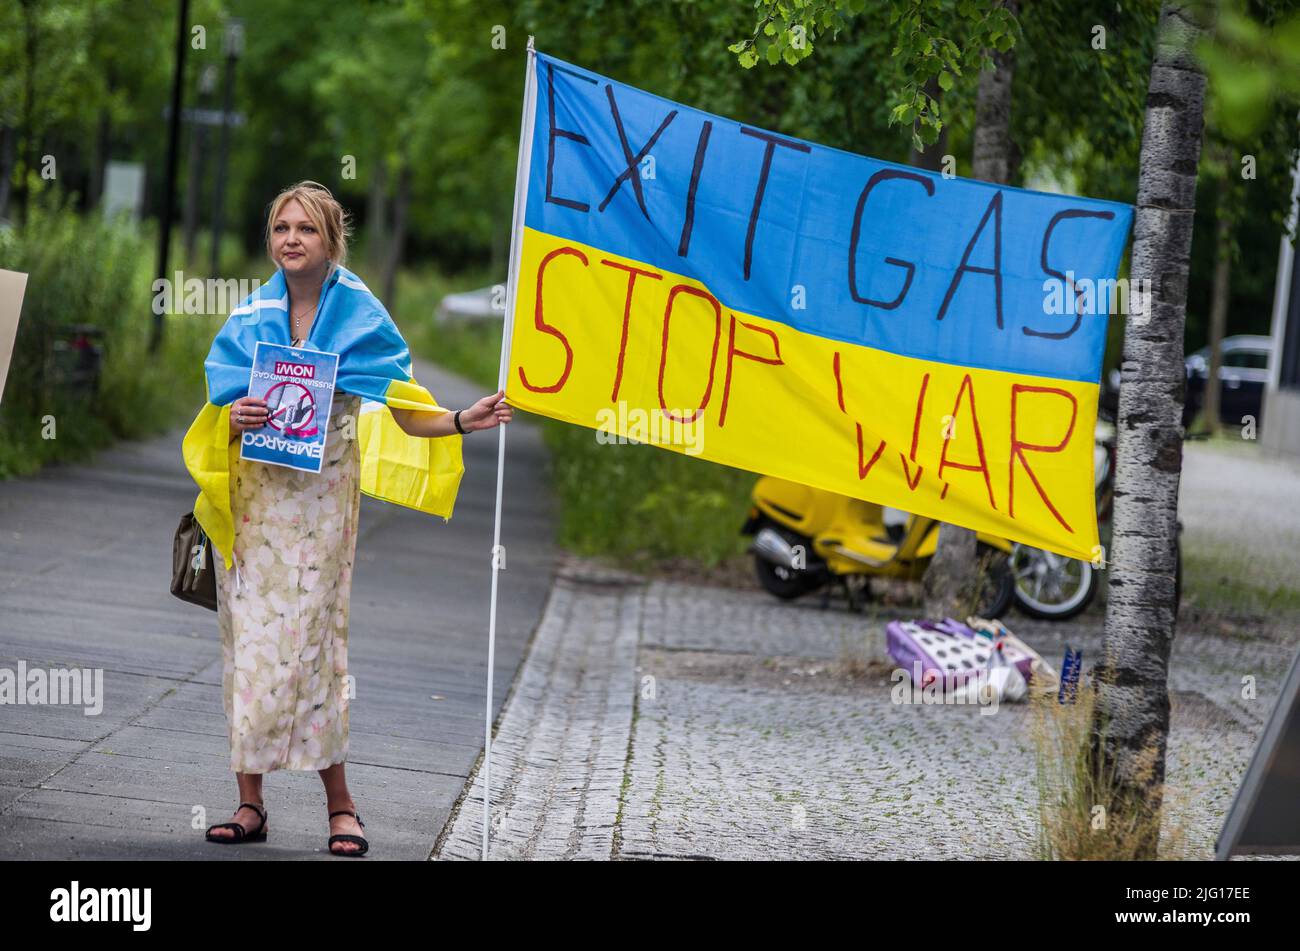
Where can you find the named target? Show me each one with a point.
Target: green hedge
(85, 271)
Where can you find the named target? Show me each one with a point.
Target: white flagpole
(512, 293)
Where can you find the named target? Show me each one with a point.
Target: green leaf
(773, 54)
(945, 80)
(749, 58)
(790, 55)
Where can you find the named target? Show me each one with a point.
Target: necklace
(294, 318)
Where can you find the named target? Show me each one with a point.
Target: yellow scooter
(806, 539)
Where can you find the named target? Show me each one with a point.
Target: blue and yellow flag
(374, 363)
(888, 333)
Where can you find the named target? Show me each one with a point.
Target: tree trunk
(1131, 716)
(377, 214)
(8, 141)
(995, 157)
(31, 47)
(103, 148)
(932, 158)
(194, 188)
(1218, 308)
(952, 579)
(397, 240)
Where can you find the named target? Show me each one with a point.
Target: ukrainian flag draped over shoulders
(374, 363)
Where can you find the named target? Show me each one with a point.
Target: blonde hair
(323, 210)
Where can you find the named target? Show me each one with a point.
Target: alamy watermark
(194, 295)
(80, 904)
(74, 686)
(1087, 296)
(964, 688)
(636, 425)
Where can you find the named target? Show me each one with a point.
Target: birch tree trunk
(995, 157)
(1131, 716)
(953, 579)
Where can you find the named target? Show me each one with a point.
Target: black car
(1242, 376)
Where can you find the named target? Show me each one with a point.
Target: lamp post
(233, 48)
(169, 174)
(198, 155)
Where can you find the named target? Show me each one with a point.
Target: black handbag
(194, 576)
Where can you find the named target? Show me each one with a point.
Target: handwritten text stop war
(1039, 402)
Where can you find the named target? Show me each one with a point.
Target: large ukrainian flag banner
(872, 329)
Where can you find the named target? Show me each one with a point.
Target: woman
(284, 619)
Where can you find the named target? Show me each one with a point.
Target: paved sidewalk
(85, 558)
(669, 720)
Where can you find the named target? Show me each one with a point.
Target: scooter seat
(857, 547)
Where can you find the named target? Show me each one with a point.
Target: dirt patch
(1190, 710)
(815, 674)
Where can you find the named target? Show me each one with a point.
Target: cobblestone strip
(561, 743)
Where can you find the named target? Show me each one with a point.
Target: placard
(12, 286)
(298, 386)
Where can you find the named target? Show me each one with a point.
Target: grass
(43, 420)
(1079, 818)
(644, 506)
(470, 348)
(1225, 584)
(140, 394)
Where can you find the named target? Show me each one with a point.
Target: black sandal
(346, 837)
(240, 833)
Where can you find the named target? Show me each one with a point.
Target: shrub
(83, 271)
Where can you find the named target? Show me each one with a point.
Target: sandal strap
(357, 840)
(240, 831)
(255, 807)
(348, 812)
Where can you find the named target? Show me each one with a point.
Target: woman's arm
(487, 413)
(425, 425)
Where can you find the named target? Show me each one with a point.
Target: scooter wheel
(1051, 587)
(999, 584)
(785, 583)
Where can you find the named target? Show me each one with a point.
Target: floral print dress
(283, 611)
